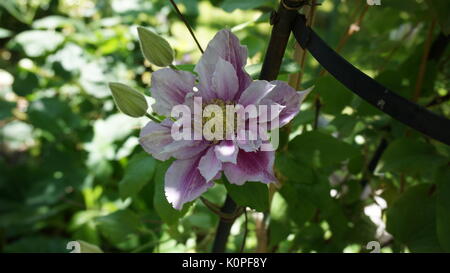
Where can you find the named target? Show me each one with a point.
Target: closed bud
(155, 48)
(128, 100)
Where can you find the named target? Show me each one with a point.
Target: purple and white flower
(223, 80)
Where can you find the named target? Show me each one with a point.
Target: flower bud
(155, 48)
(129, 101)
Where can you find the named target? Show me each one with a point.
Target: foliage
(72, 169)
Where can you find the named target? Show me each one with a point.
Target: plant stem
(423, 63)
(317, 105)
(223, 230)
(152, 118)
(245, 231)
(295, 79)
(353, 27)
(187, 25)
(374, 161)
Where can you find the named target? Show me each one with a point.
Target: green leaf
(164, 209)
(441, 9)
(293, 169)
(128, 100)
(279, 222)
(37, 244)
(356, 164)
(334, 95)
(51, 114)
(231, 5)
(252, 194)
(4, 33)
(443, 207)
(300, 209)
(117, 227)
(18, 10)
(344, 124)
(155, 48)
(52, 22)
(410, 155)
(139, 172)
(25, 83)
(89, 248)
(6, 109)
(412, 219)
(329, 150)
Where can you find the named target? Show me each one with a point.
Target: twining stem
(187, 25)
(420, 78)
(245, 231)
(400, 43)
(217, 210)
(374, 161)
(223, 230)
(353, 27)
(295, 79)
(438, 100)
(423, 62)
(318, 106)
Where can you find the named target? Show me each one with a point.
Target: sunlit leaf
(36, 43)
(139, 171)
(254, 195)
(412, 219)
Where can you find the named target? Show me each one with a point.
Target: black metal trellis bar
(403, 110)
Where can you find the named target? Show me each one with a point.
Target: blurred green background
(71, 167)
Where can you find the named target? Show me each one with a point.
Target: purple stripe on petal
(249, 145)
(184, 182)
(169, 88)
(156, 139)
(251, 166)
(210, 165)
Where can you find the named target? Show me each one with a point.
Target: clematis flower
(221, 80)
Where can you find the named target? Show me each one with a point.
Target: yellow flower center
(219, 112)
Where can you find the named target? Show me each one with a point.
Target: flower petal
(209, 165)
(251, 166)
(255, 92)
(285, 96)
(227, 151)
(224, 45)
(156, 139)
(153, 136)
(249, 145)
(169, 88)
(225, 82)
(184, 183)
